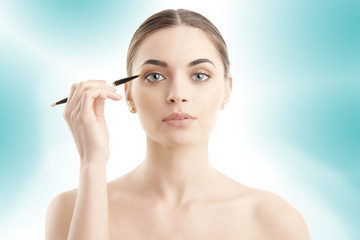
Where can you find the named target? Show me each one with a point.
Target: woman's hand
(84, 113)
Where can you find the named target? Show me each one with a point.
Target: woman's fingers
(83, 86)
(84, 114)
(93, 101)
(99, 103)
(77, 91)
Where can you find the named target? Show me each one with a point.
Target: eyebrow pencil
(115, 83)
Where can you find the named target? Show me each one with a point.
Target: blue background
(296, 70)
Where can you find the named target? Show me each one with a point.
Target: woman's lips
(179, 119)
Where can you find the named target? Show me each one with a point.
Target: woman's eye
(200, 77)
(154, 77)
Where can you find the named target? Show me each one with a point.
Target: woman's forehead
(179, 44)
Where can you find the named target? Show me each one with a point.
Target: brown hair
(171, 18)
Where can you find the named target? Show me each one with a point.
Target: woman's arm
(81, 213)
(84, 114)
(90, 218)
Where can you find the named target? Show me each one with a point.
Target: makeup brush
(115, 83)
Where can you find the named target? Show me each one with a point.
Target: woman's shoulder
(59, 214)
(64, 200)
(274, 217)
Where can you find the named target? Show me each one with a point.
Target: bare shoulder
(267, 215)
(275, 218)
(59, 215)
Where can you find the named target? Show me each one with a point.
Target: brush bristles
(125, 80)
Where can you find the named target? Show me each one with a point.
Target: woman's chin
(177, 140)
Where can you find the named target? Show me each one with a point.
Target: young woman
(174, 193)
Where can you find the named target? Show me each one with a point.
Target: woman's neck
(175, 173)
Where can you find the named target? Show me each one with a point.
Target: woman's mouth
(179, 119)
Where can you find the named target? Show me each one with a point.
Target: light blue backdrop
(296, 70)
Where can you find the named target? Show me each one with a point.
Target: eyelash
(202, 81)
(146, 77)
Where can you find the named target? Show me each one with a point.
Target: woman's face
(182, 87)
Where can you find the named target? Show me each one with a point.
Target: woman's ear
(129, 99)
(227, 92)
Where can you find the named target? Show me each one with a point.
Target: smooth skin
(174, 193)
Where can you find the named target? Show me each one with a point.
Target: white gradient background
(291, 127)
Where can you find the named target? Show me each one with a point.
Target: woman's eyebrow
(201, 60)
(164, 64)
(154, 62)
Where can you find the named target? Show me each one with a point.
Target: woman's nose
(178, 91)
(176, 99)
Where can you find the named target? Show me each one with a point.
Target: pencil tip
(53, 105)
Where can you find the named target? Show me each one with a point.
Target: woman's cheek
(214, 98)
(147, 104)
